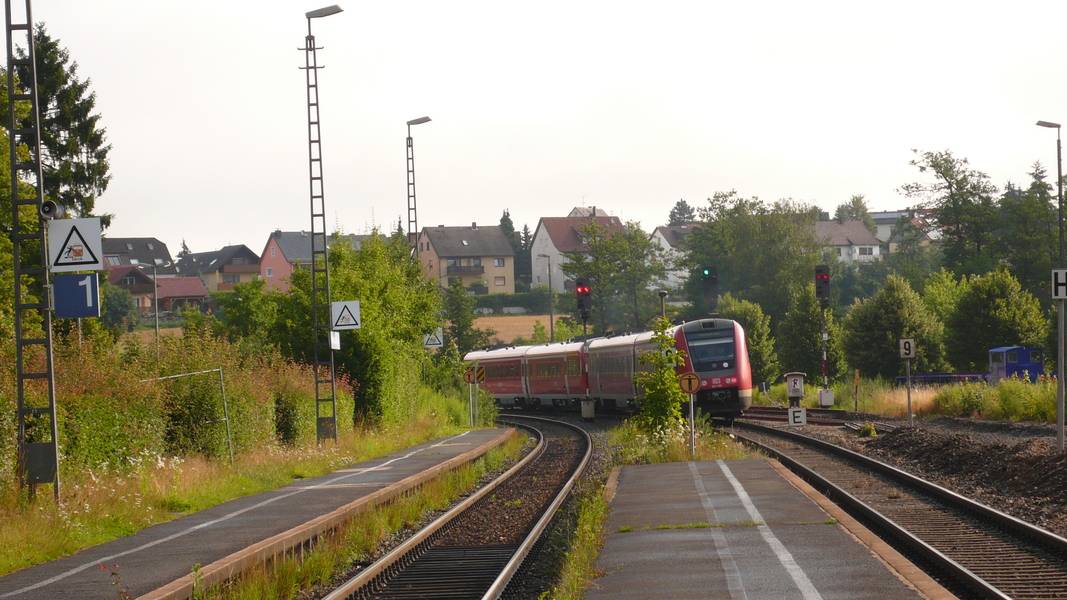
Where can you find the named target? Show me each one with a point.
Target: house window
(270, 272)
(273, 251)
(129, 246)
(239, 260)
(476, 262)
(866, 251)
(498, 262)
(450, 262)
(231, 278)
(840, 251)
(134, 261)
(112, 260)
(151, 247)
(498, 281)
(128, 280)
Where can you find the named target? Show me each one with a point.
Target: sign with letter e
(74, 245)
(797, 417)
(1059, 284)
(344, 315)
(76, 296)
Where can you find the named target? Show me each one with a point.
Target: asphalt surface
(163, 553)
(733, 530)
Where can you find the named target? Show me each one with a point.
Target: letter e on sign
(1059, 284)
(907, 348)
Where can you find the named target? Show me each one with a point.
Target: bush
(993, 311)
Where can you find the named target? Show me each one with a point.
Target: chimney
(594, 211)
(474, 225)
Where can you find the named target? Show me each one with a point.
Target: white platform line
(225, 517)
(807, 589)
(733, 576)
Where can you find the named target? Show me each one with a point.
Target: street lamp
(551, 301)
(322, 349)
(413, 215)
(1059, 303)
(663, 303)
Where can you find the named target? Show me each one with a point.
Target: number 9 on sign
(907, 348)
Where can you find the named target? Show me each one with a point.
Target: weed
(868, 430)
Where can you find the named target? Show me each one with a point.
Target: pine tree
(681, 214)
(74, 146)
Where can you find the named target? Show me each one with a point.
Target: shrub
(994, 310)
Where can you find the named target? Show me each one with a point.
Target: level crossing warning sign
(435, 339)
(74, 245)
(344, 315)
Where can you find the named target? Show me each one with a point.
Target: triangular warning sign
(75, 251)
(432, 340)
(345, 318)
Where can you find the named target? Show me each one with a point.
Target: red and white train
(603, 369)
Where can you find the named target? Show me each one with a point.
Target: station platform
(157, 562)
(737, 530)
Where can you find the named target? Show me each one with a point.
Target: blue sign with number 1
(76, 295)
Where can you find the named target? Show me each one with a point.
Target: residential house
(177, 293)
(138, 251)
(888, 234)
(480, 257)
(671, 239)
(553, 237)
(885, 222)
(849, 242)
(220, 270)
(287, 251)
(134, 280)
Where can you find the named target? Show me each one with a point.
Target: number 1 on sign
(87, 283)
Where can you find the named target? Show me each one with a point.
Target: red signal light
(582, 290)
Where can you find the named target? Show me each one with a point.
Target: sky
(539, 107)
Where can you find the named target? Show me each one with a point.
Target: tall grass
(632, 445)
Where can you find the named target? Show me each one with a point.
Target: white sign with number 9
(907, 348)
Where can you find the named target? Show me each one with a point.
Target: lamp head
(323, 12)
(419, 121)
(1048, 124)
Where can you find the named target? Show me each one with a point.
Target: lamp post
(413, 214)
(551, 301)
(1059, 303)
(663, 303)
(324, 369)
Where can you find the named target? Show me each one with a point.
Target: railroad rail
(475, 549)
(979, 551)
(815, 416)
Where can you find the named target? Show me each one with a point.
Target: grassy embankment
(135, 453)
(631, 446)
(357, 540)
(1008, 400)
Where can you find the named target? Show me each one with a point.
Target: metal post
(413, 214)
(692, 428)
(1060, 344)
(470, 402)
(477, 394)
(226, 414)
(551, 305)
(663, 304)
(907, 371)
(155, 303)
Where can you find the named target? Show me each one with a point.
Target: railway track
(816, 416)
(975, 550)
(475, 549)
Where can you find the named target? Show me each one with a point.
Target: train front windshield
(712, 354)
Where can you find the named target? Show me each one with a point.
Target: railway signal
(709, 286)
(822, 285)
(585, 298)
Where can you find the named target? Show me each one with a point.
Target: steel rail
(527, 545)
(380, 566)
(1041, 537)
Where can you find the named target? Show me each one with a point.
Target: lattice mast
(38, 456)
(322, 353)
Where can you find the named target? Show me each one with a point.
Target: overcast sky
(538, 107)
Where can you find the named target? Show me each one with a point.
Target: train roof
(556, 348)
(499, 353)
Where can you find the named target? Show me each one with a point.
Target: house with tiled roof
(849, 241)
(146, 251)
(671, 239)
(480, 257)
(136, 282)
(556, 235)
(286, 251)
(177, 293)
(221, 270)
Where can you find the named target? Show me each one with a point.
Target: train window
(1013, 357)
(574, 367)
(712, 354)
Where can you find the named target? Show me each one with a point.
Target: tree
(74, 152)
(757, 326)
(459, 312)
(873, 328)
(661, 397)
(993, 311)
(249, 311)
(800, 336)
(961, 205)
(942, 292)
(758, 249)
(184, 251)
(914, 258)
(682, 214)
(117, 310)
(856, 210)
(1026, 236)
